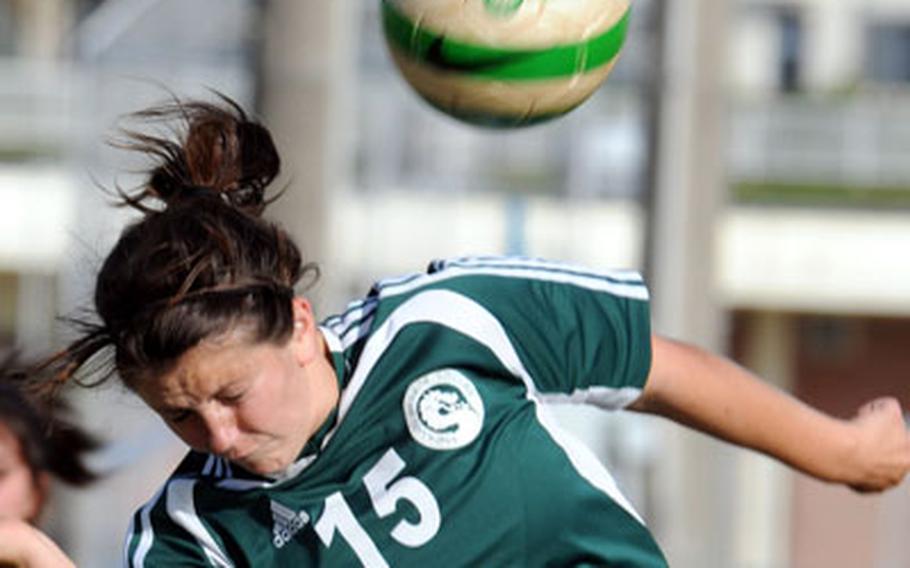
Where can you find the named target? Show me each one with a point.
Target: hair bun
(217, 151)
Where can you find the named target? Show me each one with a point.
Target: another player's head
(36, 443)
(196, 300)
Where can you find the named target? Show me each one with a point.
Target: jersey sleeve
(165, 532)
(581, 335)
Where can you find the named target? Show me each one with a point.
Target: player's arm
(870, 452)
(24, 546)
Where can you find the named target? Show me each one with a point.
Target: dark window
(7, 28)
(888, 52)
(791, 47)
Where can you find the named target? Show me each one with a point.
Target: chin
(268, 467)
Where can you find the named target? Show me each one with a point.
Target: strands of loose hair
(50, 441)
(219, 150)
(201, 260)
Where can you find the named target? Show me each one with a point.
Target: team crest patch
(443, 410)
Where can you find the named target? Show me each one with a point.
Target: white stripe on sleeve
(624, 284)
(182, 510)
(147, 536)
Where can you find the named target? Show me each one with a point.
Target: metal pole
(303, 72)
(695, 483)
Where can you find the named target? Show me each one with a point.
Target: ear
(306, 339)
(42, 485)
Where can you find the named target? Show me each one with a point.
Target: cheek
(268, 410)
(19, 496)
(259, 414)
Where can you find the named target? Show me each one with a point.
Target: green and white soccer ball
(505, 62)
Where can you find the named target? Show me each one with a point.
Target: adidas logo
(287, 523)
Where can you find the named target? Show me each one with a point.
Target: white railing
(862, 140)
(39, 105)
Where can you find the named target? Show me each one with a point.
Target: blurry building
(68, 70)
(814, 254)
(809, 268)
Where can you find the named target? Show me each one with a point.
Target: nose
(220, 429)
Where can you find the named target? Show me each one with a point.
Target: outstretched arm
(24, 546)
(870, 452)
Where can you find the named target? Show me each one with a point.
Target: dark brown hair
(201, 260)
(49, 441)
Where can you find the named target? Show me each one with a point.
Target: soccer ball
(505, 62)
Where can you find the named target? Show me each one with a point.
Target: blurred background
(752, 157)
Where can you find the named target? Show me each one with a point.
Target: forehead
(203, 370)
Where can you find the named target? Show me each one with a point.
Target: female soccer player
(408, 430)
(36, 444)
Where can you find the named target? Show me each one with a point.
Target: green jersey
(440, 452)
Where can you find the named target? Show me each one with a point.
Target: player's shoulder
(441, 273)
(507, 275)
(485, 280)
(530, 268)
(159, 533)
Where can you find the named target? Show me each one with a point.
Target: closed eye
(232, 397)
(177, 416)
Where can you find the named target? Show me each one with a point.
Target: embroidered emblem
(286, 523)
(443, 410)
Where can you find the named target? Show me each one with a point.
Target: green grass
(803, 194)
(17, 155)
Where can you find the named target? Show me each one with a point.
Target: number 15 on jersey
(385, 489)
